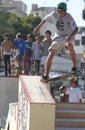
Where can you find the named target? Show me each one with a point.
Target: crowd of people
(25, 53)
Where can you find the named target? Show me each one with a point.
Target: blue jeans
(7, 64)
(37, 66)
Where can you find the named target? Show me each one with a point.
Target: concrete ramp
(8, 94)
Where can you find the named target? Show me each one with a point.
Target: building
(41, 11)
(17, 7)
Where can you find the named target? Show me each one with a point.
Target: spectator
(36, 53)
(74, 92)
(21, 46)
(29, 52)
(63, 96)
(6, 52)
(45, 45)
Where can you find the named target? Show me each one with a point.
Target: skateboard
(62, 77)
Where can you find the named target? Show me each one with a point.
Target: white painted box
(36, 106)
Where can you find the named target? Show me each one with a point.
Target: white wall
(61, 64)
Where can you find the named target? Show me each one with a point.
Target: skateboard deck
(61, 77)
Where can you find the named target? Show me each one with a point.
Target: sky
(74, 7)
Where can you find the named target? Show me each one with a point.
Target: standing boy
(28, 52)
(45, 45)
(36, 53)
(6, 52)
(20, 45)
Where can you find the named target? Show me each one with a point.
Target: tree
(7, 21)
(26, 24)
(12, 24)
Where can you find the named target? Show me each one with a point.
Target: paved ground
(1, 73)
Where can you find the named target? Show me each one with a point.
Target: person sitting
(63, 96)
(75, 95)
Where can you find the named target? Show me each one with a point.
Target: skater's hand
(35, 31)
(68, 39)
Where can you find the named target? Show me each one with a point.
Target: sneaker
(75, 69)
(44, 79)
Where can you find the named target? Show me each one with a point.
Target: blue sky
(75, 7)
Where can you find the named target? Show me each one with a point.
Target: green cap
(62, 6)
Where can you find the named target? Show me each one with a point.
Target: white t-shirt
(74, 94)
(64, 26)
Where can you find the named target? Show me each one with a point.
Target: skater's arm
(36, 30)
(74, 32)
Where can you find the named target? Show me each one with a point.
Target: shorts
(19, 57)
(43, 60)
(58, 43)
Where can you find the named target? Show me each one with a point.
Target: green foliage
(12, 24)
(28, 23)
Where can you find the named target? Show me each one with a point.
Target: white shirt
(74, 94)
(64, 26)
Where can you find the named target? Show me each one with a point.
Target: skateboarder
(66, 29)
